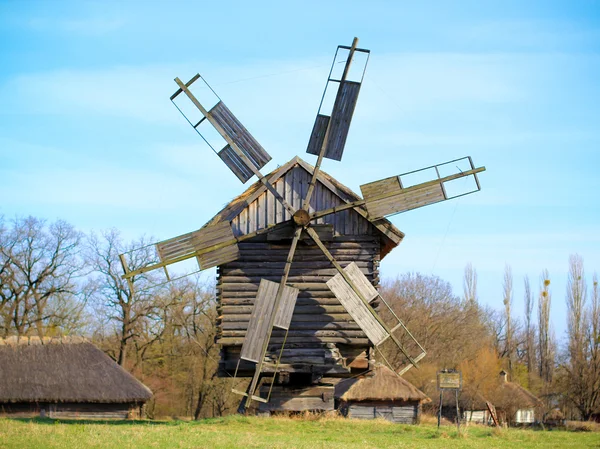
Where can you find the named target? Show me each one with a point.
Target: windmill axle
(301, 217)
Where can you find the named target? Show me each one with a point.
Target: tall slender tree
(546, 358)
(508, 297)
(529, 329)
(470, 285)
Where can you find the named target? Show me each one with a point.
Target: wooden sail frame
(389, 196)
(242, 154)
(332, 129)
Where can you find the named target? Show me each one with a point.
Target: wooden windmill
(298, 253)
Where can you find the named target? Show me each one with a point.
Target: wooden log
(293, 272)
(301, 333)
(296, 318)
(300, 310)
(295, 326)
(350, 341)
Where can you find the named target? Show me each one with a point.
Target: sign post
(449, 380)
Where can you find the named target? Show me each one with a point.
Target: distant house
(514, 404)
(380, 394)
(65, 378)
(472, 407)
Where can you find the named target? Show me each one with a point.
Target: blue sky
(87, 132)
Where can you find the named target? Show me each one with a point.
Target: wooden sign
(449, 380)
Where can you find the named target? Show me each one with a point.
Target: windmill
(301, 216)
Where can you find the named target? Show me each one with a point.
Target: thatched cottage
(380, 394)
(472, 407)
(65, 378)
(514, 404)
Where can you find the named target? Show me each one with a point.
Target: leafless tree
(470, 284)
(545, 344)
(529, 328)
(507, 300)
(576, 298)
(129, 313)
(41, 277)
(581, 384)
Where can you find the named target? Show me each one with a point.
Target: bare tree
(529, 329)
(196, 315)
(582, 382)
(507, 300)
(41, 276)
(470, 284)
(576, 297)
(128, 312)
(546, 356)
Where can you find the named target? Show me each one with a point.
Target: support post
(439, 417)
(457, 411)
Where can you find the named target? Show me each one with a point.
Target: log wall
(322, 338)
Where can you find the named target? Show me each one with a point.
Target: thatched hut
(472, 407)
(380, 394)
(514, 404)
(65, 378)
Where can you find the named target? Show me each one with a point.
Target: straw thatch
(381, 384)
(467, 400)
(63, 370)
(510, 395)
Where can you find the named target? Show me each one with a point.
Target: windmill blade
(211, 246)
(389, 196)
(243, 154)
(331, 129)
(276, 316)
(353, 293)
(349, 290)
(258, 326)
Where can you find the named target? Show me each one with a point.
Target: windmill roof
(392, 236)
(381, 384)
(68, 369)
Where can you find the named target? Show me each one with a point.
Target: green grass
(252, 432)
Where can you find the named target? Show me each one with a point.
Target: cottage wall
(73, 410)
(398, 412)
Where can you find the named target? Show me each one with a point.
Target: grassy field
(251, 432)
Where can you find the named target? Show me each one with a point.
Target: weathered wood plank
(283, 314)
(240, 135)
(219, 235)
(259, 322)
(339, 122)
(357, 309)
(361, 282)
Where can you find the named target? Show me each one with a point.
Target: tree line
(55, 280)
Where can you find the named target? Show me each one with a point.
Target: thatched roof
(381, 384)
(63, 370)
(467, 400)
(510, 395)
(391, 236)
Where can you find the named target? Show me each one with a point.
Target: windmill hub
(301, 217)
